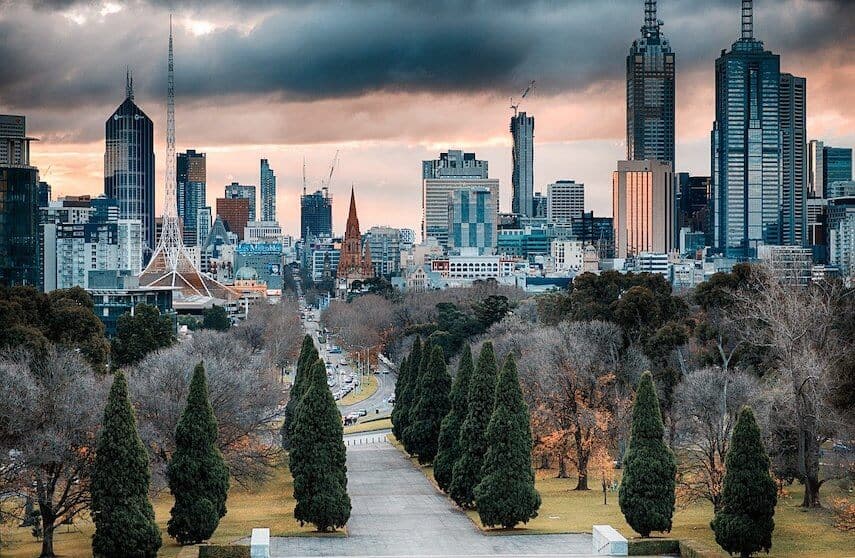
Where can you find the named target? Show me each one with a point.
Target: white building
(567, 255)
(652, 262)
(841, 246)
(264, 231)
(565, 201)
(465, 269)
(792, 265)
(385, 246)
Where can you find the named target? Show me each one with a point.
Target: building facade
(267, 183)
(242, 191)
(643, 207)
(650, 70)
(190, 191)
(522, 177)
(472, 220)
(316, 215)
(693, 202)
(565, 201)
(794, 186)
(384, 244)
(235, 214)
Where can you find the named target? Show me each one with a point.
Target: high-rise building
(650, 93)
(245, 191)
(816, 178)
(191, 176)
(522, 178)
(827, 164)
(129, 164)
(693, 202)
(565, 201)
(746, 146)
(20, 249)
(643, 206)
(539, 206)
(472, 220)
(454, 170)
(235, 214)
(384, 244)
(792, 109)
(203, 224)
(597, 231)
(316, 215)
(267, 183)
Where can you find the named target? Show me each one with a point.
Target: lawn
(369, 426)
(798, 533)
(369, 388)
(270, 505)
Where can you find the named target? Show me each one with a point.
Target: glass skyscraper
(190, 192)
(837, 164)
(794, 185)
(316, 215)
(129, 165)
(268, 192)
(650, 69)
(746, 146)
(522, 179)
(472, 220)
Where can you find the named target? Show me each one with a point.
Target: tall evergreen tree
(318, 457)
(121, 510)
(506, 495)
(466, 473)
(449, 433)
(415, 395)
(745, 523)
(308, 356)
(646, 492)
(198, 476)
(404, 400)
(400, 386)
(432, 407)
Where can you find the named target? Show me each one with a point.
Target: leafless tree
(49, 416)
(275, 329)
(708, 401)
(244, 395)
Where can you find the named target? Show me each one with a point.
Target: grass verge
(369, 426)
(369, 388)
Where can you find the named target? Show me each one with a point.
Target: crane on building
(325, 184)
(525, 93)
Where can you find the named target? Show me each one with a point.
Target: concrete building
(522, 177)
(643, 207)
(568, 255)
(472, 220)
(384, 244)
(565, 201)
(792, 265)
(235, 214)
(242, 191)
(262, 230)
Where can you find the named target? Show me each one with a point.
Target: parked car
(362, 412)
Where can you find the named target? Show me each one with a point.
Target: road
(397, 512)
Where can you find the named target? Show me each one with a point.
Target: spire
(352, 213)
(129, 83)
(747, 20)
(651, 23)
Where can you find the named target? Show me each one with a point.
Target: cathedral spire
(354, 263)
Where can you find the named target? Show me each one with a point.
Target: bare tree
(49, 416)
(274, 328)
(708, 401)
(244, 395)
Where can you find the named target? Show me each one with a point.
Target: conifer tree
(745, 522)
(448, 450)
(122, 513)
(506, 495)
(466, 473)
(198, 476)
(400, 385)
(307, 358)
(646, 492)
(318, 457)
(433, 404)
(415, 396)
(404, 401)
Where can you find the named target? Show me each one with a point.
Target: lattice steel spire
(747, 20)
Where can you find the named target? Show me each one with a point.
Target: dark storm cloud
(327, 49)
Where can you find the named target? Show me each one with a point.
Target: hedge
(217, 551)
(694, 549)
(653, 547)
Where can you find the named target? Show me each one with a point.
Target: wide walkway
(397, 512)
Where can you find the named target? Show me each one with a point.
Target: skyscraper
(643, 206)
(522, 179)
(129, 164)
(827, 164)
(650, 93)
(792, 105)
(191, 175)
(268, 192)
(316, 214)
(565, 201)
(246, 191)
(746, 146)
(472, 220)
(816, 184)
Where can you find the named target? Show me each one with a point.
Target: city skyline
(579, 104)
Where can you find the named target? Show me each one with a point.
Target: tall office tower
(454, 170)
(565, 201)
(746, 146)
(643, 206)
(191, 176)
(650, 93)
(246, 191)
(268, 192)
(235, 214)
(522, 179)
(203, 224)
(316, 215)
(129, 164)
(472, 221)
(836, 165)
(792, 103)
(692, 202)
(816, 182)
(20, 249)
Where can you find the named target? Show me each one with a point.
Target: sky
(389, 83)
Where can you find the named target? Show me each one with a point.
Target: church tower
(353, 264)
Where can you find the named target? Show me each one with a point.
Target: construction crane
(525, 93)
(325, 185)
(304, 175)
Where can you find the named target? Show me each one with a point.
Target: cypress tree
(198, 476)
(506, 495)
(121, 510)
(318, 458)
(646, 492)
(449, 433)
(416, 391)
(307, 358)
(466, 473)
(400, 385)
(434, 403)
(745, 522)
(404, 401)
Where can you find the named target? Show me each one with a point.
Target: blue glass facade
(191, 186)
(837, 164)
(472, 223)
(315, 215)
(19, 227)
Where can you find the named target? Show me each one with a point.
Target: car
(362, 412)
(348, 380)
(337, 395)
(343, 362)
(330, 382)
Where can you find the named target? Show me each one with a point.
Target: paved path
(397, 512)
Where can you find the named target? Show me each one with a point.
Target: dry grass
(370, 426)
(369, 388)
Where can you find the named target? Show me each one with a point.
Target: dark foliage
(429, 411)
(449, 433)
